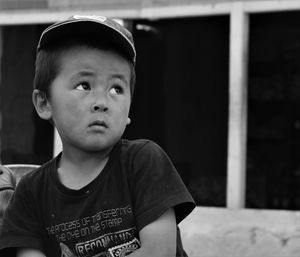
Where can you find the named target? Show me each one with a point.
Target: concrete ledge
(221, 232)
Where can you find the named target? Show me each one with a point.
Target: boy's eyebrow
(80, 74)
(121, 77)
(84, 73)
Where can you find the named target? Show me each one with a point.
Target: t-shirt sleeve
(157, 186)
(20, 224)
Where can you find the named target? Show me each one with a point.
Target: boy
(102, 195)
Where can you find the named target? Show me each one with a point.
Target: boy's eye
(83, 86)
(116, 90)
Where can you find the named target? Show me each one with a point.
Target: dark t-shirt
(137, 185)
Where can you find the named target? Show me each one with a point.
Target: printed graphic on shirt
(88, 236)
(117, 251)
(125, 249)
(124, 239)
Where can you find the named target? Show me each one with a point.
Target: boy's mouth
(98, 123)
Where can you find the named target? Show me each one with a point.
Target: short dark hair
(47, 63)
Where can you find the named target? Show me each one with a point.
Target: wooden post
(236, 167)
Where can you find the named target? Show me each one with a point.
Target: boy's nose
(97, 107)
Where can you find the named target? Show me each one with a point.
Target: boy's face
(90, 98)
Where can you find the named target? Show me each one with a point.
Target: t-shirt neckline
(87, 189)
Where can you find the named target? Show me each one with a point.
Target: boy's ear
(41, 104)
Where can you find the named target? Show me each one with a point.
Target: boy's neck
(76, 169)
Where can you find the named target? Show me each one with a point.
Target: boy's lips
(98, 123)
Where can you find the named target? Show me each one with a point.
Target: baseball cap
(90, 26)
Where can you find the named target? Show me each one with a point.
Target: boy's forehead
(81, 60)
(83, 53)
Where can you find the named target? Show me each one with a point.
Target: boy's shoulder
(139, 152)
(137, 145)
(38, 176)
